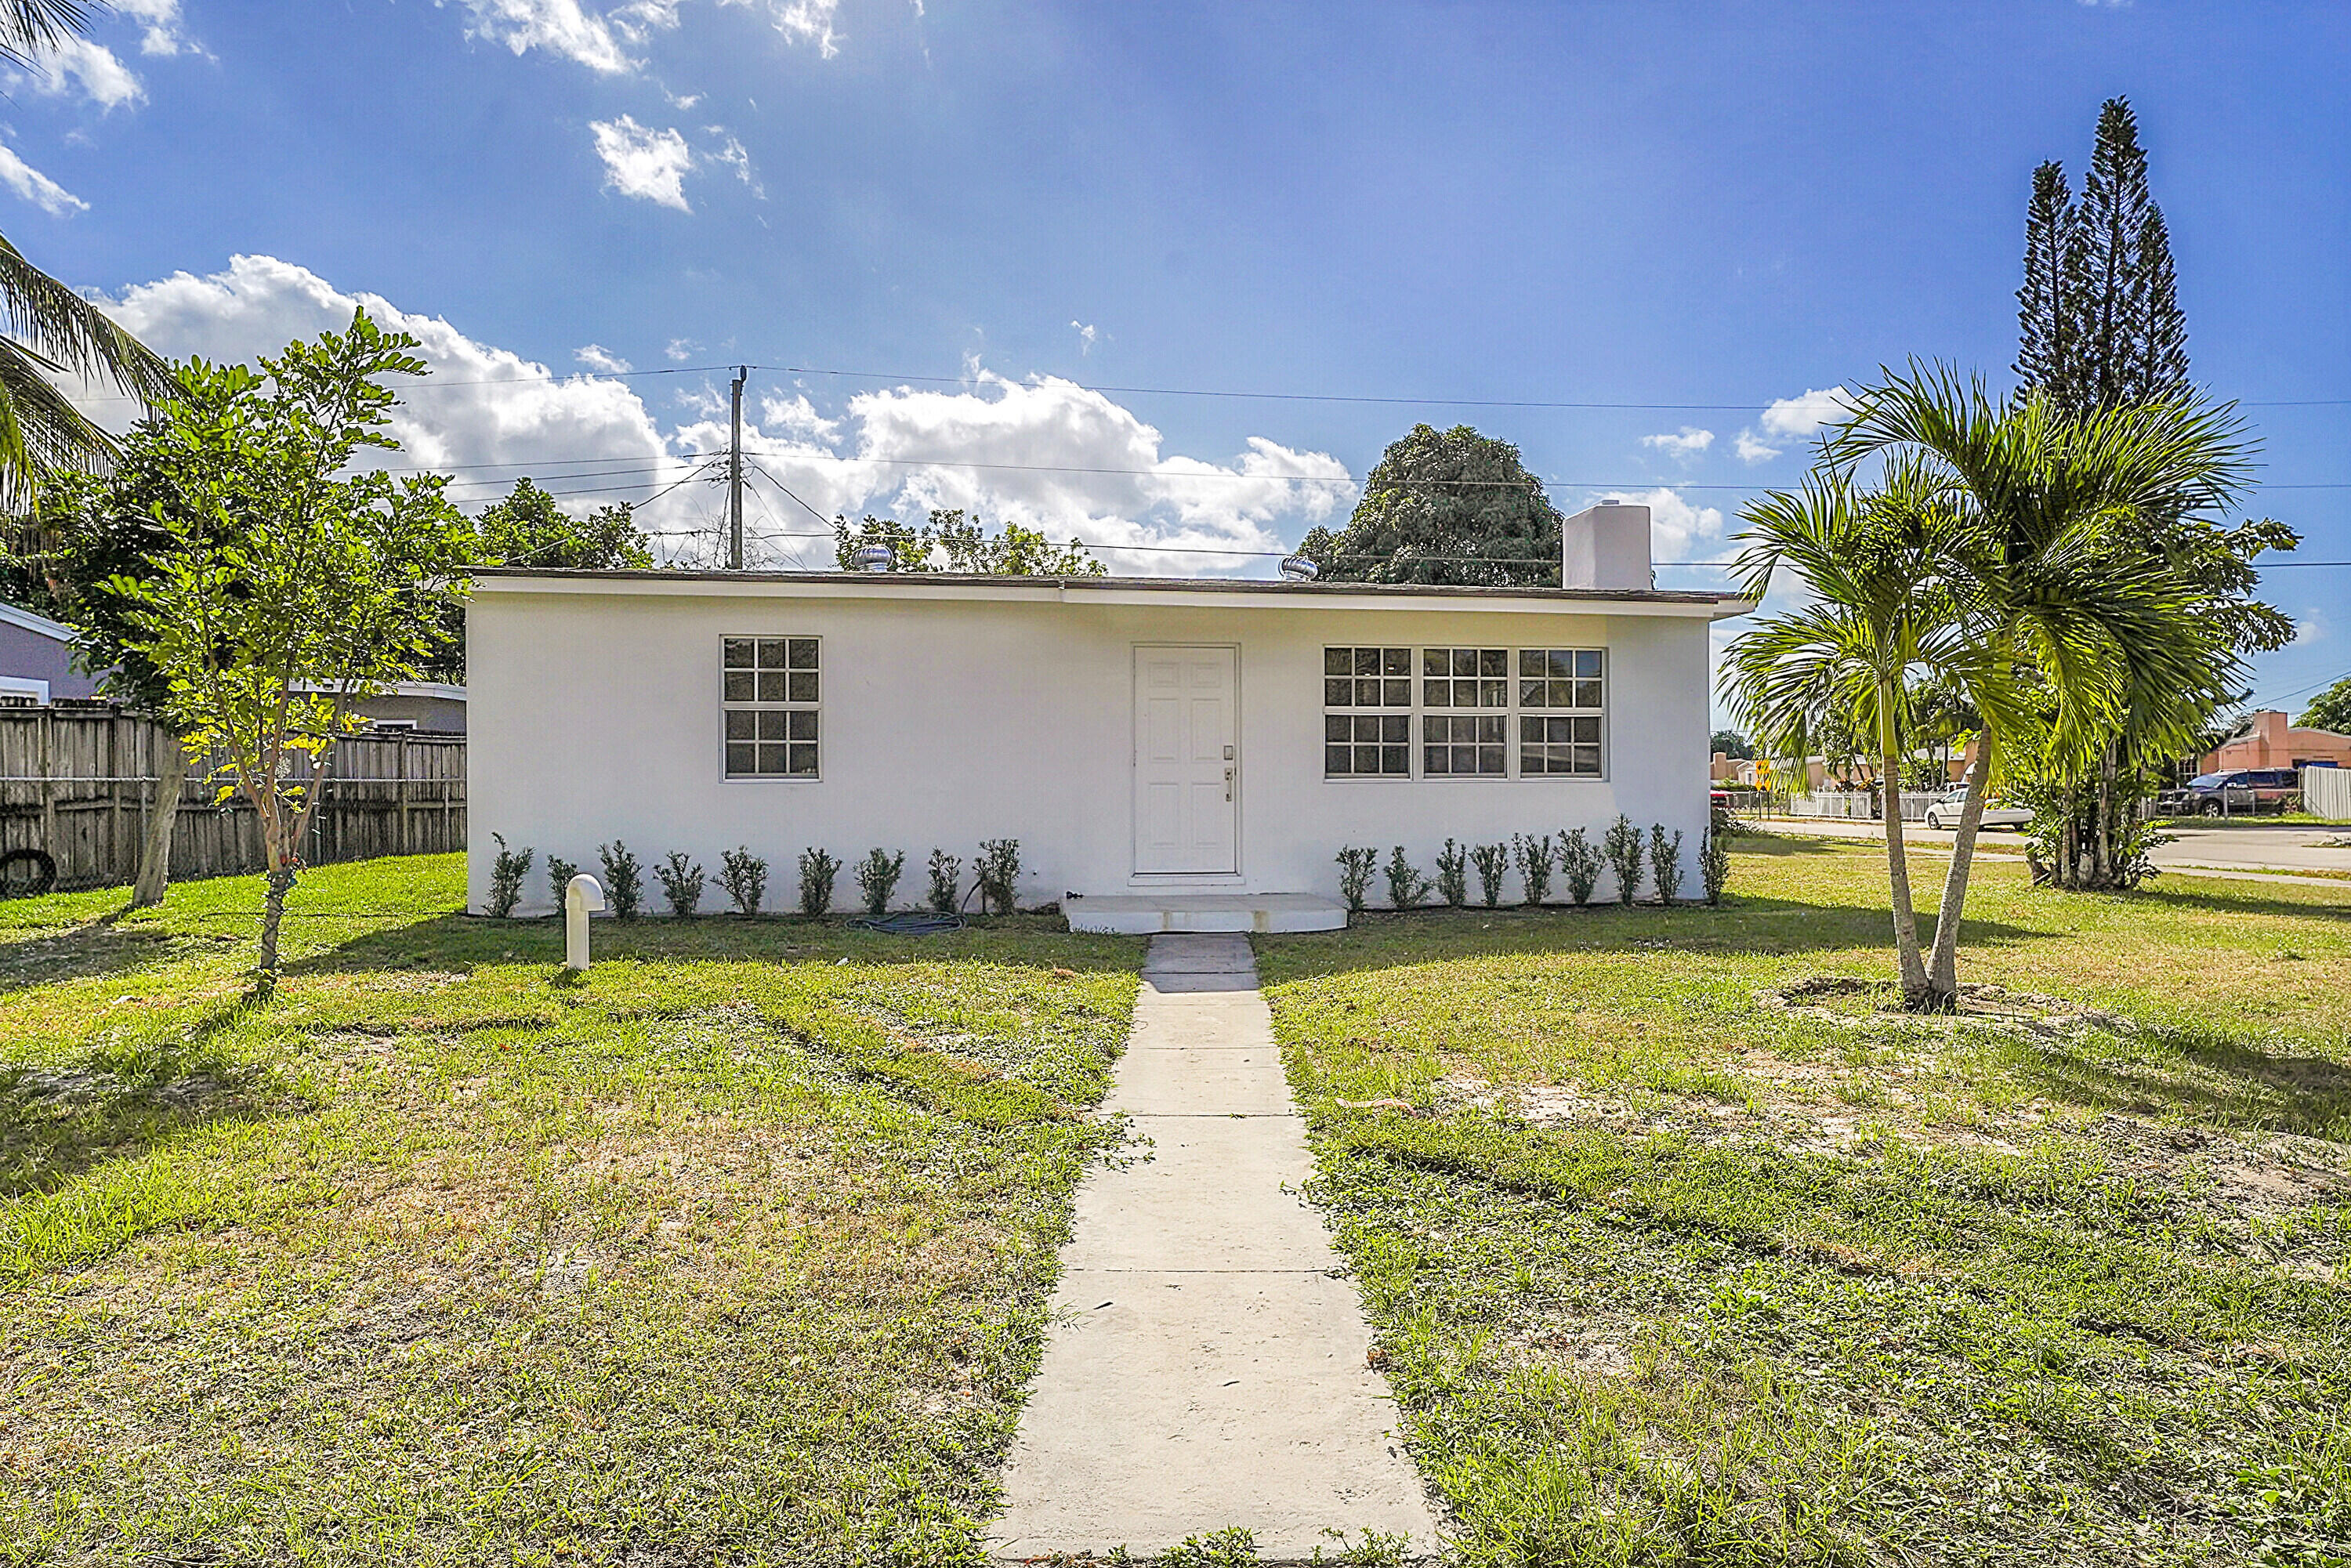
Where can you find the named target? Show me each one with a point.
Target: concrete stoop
(1147, 914)
(1206, 1368)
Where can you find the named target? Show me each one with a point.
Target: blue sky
(1723, 205)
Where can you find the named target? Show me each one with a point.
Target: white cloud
(2309, 628)
(161, 20)
(804, 22)
(1683, 445)
(681, 348)
(486, 413)
(1047, 452)
(596, 357)
(1751, 450)
(1086, 336)
(641, 161)
(1679, 531)
(559, 27)
(1795, 417)
(36, 187)
(731, 154)
(77, 64)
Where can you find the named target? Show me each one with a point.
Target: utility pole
(734, 477)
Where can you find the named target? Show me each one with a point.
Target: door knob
(1228, 783)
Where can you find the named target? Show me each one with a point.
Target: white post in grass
(580, 895)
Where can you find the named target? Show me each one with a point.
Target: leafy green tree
(526, 527)
(2330, 709)
(2101, 329)
(1445, 506)
(1732, 743)
(951, 541)
(287, 587)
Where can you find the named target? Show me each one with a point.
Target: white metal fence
(2327, 792)
(1859, 805)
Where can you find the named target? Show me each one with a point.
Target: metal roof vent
(1298, 569)
(875, 558)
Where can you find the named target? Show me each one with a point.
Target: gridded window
(1551, 744)
(1562, 692)
(1367, 712)
(770, 692)
(1455, 745)
(1464, 677)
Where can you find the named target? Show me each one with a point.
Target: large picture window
(769, 686)
(1366, 713)
(1450, 713)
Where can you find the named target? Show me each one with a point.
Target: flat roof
(1253, 593)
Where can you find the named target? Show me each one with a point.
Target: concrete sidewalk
(1207, 1367)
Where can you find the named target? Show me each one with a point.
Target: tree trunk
(1943, 973)
(273, 912)
(155, 854)
(1897, 861)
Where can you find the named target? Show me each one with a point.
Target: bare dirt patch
(1853, 1002)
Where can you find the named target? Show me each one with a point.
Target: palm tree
(2071, 628)
(1883, 612)
(46, 329)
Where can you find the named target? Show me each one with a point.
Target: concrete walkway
(1207, 1367)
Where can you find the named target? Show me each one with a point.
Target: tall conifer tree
(2045, 356)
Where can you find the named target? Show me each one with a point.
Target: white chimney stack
(1606, 546)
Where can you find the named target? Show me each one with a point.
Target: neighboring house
(2273, 742)
(36, 658)
(1171, 754)
(428, 707)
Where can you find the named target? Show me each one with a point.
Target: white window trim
(1511, 714)
(816, 707)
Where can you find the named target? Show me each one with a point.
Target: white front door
(1186, 759)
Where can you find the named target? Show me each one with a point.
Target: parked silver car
(1943, 811)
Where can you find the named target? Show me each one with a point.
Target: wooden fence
(80, 783)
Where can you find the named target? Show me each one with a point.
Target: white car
(1943, 811)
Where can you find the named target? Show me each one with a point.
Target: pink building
(2274, 743)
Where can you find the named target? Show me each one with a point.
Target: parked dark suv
(2242, 789)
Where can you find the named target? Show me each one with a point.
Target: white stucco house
(1171, 754)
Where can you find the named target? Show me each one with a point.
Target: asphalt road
(2236, 846)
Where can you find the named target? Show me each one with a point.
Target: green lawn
(738, 1251)
(1667, 1273)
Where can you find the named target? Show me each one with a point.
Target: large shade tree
(1445, 506)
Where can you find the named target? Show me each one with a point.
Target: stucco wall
(596, 717)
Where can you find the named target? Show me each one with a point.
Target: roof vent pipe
(875, 558)
(1298, 569)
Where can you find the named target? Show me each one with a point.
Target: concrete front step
(1148, 913)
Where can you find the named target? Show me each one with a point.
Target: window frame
(1513, 712)
(1409, 713)
(726, 774)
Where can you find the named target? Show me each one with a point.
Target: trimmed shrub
(997, 873)
(682, 883)
(947, 882)
(1579, 863)
(1714, 866)
(877, 879)
(1452, 875)
(817, 869)
(744, 875)
(1356, 870)
(1665, 863)
(1492, 862)
(559, 872)
(1622, 846)
(506, 872)
(1406, 885)
(625, 883)
(1535, 857)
